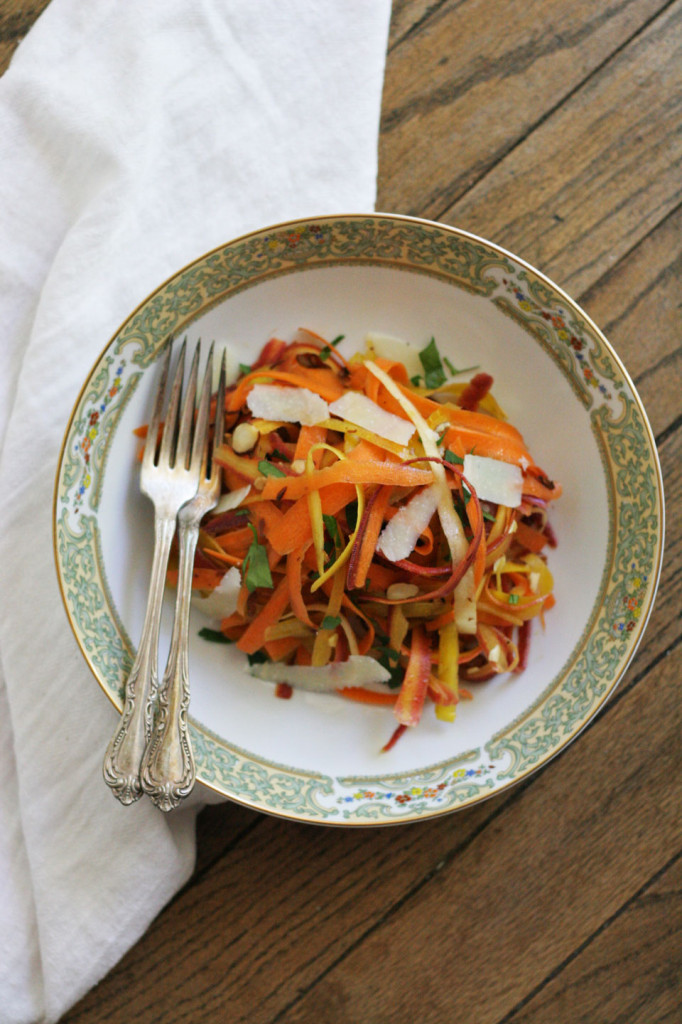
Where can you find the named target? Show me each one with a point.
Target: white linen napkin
(133, 138)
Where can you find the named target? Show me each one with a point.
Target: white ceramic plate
(317, 757)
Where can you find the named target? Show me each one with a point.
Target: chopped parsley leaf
(434, 374)
(256, 568)
(333, 529)
(267, 469)
(257, 658)
(331, 622)
(215, 636)
(450, 456)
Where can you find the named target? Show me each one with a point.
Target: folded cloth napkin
(133, 138)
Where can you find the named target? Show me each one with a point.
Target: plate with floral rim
(317, 758)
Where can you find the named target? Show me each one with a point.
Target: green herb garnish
(434, 374)
(331, 622)
(325, 353)
(243, 368)
(332, 529)
(415, 380)
(337, 340)
(450, 456)
(215, 636)
(513, 598)
(255, 567)
(280, 456)
(257, 658)
(453, 372)
(387, 660)
(267, 469)
(352, 514)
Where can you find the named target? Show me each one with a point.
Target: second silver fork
(168, 771)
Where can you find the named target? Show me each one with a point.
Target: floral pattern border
(587, 363)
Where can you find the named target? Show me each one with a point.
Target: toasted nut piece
(399, 591)
(259, 483)
(244, 438)
(298, 466)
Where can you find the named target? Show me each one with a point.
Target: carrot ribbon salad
(383, 529)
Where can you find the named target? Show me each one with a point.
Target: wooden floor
(554, 129)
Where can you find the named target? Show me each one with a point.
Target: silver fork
(170, 480)
(168, 771)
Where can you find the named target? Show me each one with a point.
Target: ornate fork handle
(167, 771)
(127, 745)
(168, 766)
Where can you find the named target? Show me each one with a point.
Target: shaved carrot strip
(308, 437)
(278, 650)
(294, 528)
(536, 489)
(323, 382)
(368, 535)
(347, 471)
(530, 538)
(254, 637)
(294, 560)
(363, 696)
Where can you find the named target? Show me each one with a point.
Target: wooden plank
(630, 971)
(274, 915)
(529, 889)
(638, 305)
(475, 78)
(601, 172)
(408, 15)
(219, 828)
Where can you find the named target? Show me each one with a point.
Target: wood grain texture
(499, 917)
(628, 971)
(476, 78)
(554, 129)
(578, 193)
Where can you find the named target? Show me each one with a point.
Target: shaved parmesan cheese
(384, 346)
(222, 601)
(361, 410)
(231, 500)
(287, 405)
(465, 604)
(401, 533)
(358, 670)
(496, 481)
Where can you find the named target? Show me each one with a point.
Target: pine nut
(244, 438)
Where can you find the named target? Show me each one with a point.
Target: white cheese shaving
(400, 535)
(385, 346)
(465, 603)
(231, 500)
(287, 405)
(363, 412)
(493, 480)
(222, 601)
(357, 670)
